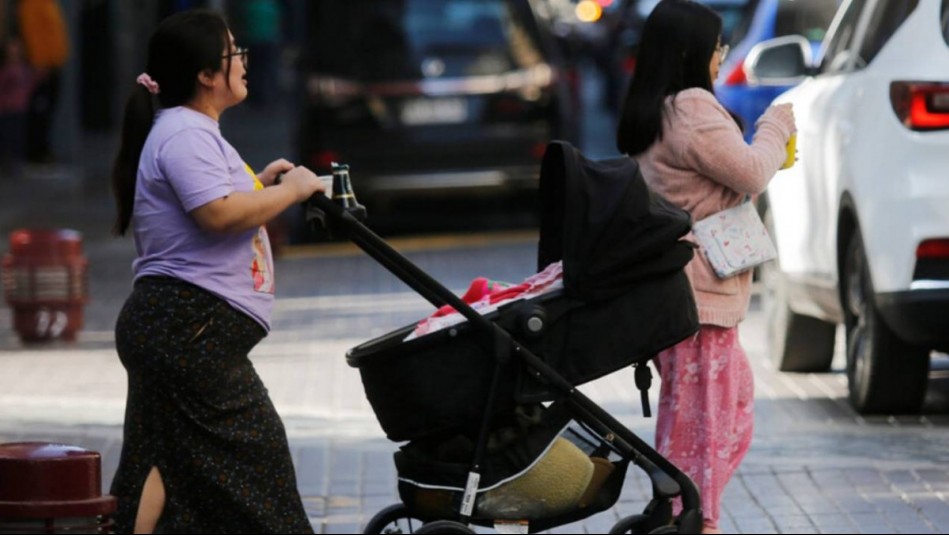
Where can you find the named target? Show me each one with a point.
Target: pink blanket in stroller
(486, 296)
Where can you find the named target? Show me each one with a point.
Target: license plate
(434, 111)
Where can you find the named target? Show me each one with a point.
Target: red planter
(52, 488)
(45, 282)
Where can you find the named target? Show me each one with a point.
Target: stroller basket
(537, 473)
(438, 383)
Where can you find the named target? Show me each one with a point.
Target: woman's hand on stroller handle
(304, 182)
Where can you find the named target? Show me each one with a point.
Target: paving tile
(871, 523)
(755, 525)
(794, 523)
(825, 522)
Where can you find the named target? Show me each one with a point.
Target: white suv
(862, 220)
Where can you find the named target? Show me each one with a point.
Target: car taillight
(737, 76)
(921, 105)
(931, 249)
(324, 159)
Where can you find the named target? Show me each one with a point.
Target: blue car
(749, 22)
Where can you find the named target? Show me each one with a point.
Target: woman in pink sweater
(691, 151)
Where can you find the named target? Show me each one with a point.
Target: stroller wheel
(444, 526)
(394, 519)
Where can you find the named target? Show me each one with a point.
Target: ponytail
(184, 45)
(137, 123)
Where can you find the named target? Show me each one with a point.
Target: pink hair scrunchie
(146, 81)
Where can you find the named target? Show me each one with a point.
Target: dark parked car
(431, 97)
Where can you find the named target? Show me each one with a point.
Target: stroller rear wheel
(641, 524)
(444, 526)
(393, 520)
(630, 524)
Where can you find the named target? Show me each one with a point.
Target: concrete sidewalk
(814, 466)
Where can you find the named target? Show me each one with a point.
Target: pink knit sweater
(703, 165)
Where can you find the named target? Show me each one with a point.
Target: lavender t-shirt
(186, 164)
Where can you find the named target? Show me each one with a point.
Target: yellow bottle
(792, 152)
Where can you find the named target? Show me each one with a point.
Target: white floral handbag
(734, 240)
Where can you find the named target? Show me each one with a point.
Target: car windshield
(809, 18)
(736, 17)
(409, 39)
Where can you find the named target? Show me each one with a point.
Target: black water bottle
(343, 194)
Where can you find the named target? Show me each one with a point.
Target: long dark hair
(184, 45)
(677, 44)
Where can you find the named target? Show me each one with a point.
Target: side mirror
(779, 62)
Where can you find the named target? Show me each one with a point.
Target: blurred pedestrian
(260, 25)
(46, 41)
(16, 84)
(691, 151)
(204, 450)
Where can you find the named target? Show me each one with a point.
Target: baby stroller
(495, 432)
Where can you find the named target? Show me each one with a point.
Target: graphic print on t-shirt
(262, 266)
(258, 185)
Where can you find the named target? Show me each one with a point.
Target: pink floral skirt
(706, 405)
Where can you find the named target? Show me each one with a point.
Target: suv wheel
(884, 374)
(797, 343)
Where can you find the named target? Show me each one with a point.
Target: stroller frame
(667, 480)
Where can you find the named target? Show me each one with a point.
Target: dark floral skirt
(197, 411)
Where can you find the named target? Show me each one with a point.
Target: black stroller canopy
(609, 228)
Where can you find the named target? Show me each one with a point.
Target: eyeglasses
(239, 51)
(722, 52)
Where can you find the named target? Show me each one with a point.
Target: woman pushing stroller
(692, 152)
(204, 450)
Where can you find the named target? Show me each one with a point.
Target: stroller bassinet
(625, 298)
